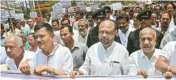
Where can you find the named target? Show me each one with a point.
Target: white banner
(33, 14)
(19, 16)
(117, 6)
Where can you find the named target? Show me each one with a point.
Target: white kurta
(139, 61)
(60, 59)
(169, 52)
(28, 55)
(105, 62)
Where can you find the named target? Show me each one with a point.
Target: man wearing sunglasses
(144, 18)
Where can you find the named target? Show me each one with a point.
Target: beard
(83, 33)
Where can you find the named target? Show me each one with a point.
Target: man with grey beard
(83, 31)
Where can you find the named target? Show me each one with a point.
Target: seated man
(15, 51)
(142, 62)
(51, 58)
(106, 57)
(167, 58)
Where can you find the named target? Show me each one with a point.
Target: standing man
(124, 29)
(106, 57)
(165, 20)
(83, 31)
(56, 29)
(77, 49)
(133, 40)
(142, 62)
(51, 58)
(98, 17)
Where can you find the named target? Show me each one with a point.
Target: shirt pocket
(116, 69)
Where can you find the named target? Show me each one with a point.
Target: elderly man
(83, 28)
(106, 57)
(77, 49)
(142, 62)
(15, 51)
(133, 39)
(51, 58)
(167, 58)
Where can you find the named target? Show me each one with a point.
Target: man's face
(66, 35)
(108, 14)
(30, 23)
(55, 26)
(43, 38)
(145, 22)
(107, 33)
(147, 42)
(165, 20)
(99, 19)
(13, 50)
(170, 8)
(18, 25)
(123, 24)
(153, 17)
(82, 28)
(31, 40)
(65, 22)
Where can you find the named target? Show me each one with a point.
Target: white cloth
(170, 28)
(124, 36)
(81, 39)
(99, 61)
(75, 25)
(169, 52)
(57, 38)
(3, 55)
(60, 59)
(28, 55)
(139, 61)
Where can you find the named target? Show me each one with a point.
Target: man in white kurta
(28, 55)
(142, 62)
(106, 57)
(60, 59)
(105, 62)
(15, 53)
(51, 58)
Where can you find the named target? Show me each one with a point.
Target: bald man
(142, 62)
(106, 57)
(15, 51)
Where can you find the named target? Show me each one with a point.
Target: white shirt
(60, 59)
(57, 37)
(28, 55)
(169, 52)
(169, 29)
(139, 61)
(124, 36)
(99, 61)
(81, 39)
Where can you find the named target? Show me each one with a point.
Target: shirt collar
(75, 45)
(56, 47)
(109, 48)
(155, 54)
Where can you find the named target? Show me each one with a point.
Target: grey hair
(15, 37)
(87, 23)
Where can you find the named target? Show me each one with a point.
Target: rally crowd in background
(131, 41)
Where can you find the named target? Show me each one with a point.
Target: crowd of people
(132, 41)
